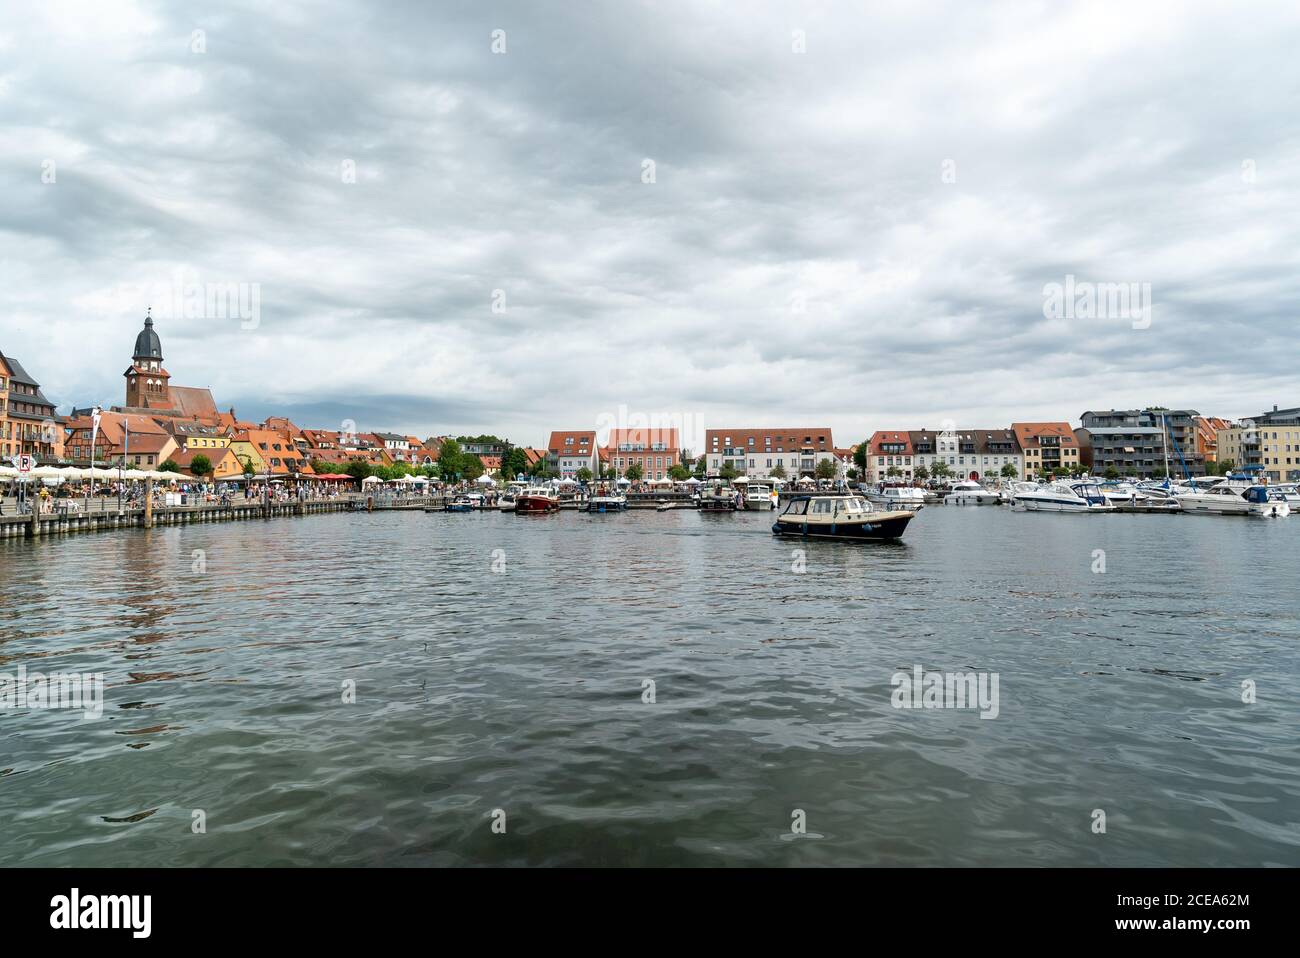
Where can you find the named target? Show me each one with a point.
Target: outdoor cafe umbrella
(370, 480)
(8, 472)
(624, 481)
(692, 481)
(45, 472)
(485, 480)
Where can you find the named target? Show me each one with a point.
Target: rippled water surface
(522, 691)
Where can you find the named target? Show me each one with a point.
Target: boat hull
(529, 505)
(873, 526)
(720, 505)
(598, 506)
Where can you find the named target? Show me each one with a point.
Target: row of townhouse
(971, 453)
(1130, 442)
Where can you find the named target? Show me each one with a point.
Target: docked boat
(1123, 493)
(459, 504)
(970, 493)
(758, 497)
(1061, 497)
(898, 497)
(607, 503)
(1229, 499)
(840, 517)
(536, 499)
(717, 499)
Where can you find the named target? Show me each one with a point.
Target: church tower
(146, 380)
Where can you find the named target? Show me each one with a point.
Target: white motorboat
(1061, 497)
(898, 497)
(758, 497)
(967, 492)
(1289, 492)
(1123, 493)
(1227, 498)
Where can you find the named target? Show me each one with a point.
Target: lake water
(524, 690)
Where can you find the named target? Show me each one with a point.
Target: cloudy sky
(728, 214)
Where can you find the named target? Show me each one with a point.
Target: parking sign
(25, 463)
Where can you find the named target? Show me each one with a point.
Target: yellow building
(1269, 441)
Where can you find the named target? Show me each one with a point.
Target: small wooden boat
(839, 517)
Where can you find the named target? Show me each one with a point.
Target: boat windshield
(796, 507)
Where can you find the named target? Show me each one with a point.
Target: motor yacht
(968, 492)
(1062, 497)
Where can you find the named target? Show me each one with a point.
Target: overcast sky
(854, 213)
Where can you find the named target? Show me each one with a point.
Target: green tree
(634, 472)
(777, 471)
(451, 460)
(358, 469)
(851, 475)
(201, 466)
(893, 471)
(1158, 473)
(514, 463)
(1111, 472)
(678, 472)
(1009, 471)
(860, 456)
(825, 469)
(169, 466)
(920, 474)
(941, 469)
(607, 473)
(727, 471)
(583, 475)
(471, 466)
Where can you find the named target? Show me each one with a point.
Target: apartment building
(792, 452)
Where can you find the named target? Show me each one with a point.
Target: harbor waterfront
(655, 688)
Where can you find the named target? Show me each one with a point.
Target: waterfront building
(398, 447)
(889, 449)
(196, 434)
(967, 453)
(269, 452)
(1046, 447)
(654, 449)
(1269, 441)
(225, 464)
(1134, 442)
(757, 452)
(28, 424)
(1207, 437)
(125, 438)
(569, 450)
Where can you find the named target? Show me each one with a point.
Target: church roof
(147, 344)
(194, 401)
